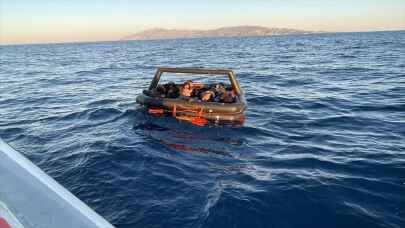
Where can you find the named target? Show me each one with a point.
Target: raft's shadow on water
(184, 137)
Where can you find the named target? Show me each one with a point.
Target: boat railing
(30, 197)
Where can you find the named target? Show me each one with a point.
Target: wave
(323, 138)
(377, 108)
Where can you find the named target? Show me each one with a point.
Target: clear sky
(41, 21)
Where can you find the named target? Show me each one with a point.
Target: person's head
(188, 84)
(173, 93)
(227, 97)
(207, 95)
(161, 89)
(170, 84)
(219, 88)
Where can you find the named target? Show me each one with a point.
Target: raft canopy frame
(231, 75)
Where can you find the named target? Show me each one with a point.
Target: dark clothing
(172, 91)
(219, 92)
(227, 98)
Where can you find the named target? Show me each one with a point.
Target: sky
(50, 21)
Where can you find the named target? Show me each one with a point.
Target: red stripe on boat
(4, 224)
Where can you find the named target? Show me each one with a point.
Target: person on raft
(168, 90)
(207, 96)
(190, 91)
(217, 93)
(187, 89)
(172, 91)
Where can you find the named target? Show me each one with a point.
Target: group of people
(196, 91)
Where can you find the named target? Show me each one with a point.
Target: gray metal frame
(231, 75)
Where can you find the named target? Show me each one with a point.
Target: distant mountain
(236, 31)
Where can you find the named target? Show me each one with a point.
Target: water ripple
(323, 144)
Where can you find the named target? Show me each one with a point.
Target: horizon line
(120, 39)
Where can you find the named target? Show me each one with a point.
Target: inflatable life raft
(195, 110)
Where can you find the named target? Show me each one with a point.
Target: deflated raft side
(210, 107)
(207, 110)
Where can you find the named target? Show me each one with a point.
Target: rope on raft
(196, 120)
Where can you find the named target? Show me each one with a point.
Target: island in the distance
(235, 31)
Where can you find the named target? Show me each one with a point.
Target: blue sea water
(323, 144)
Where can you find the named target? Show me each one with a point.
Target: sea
(323, 144)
